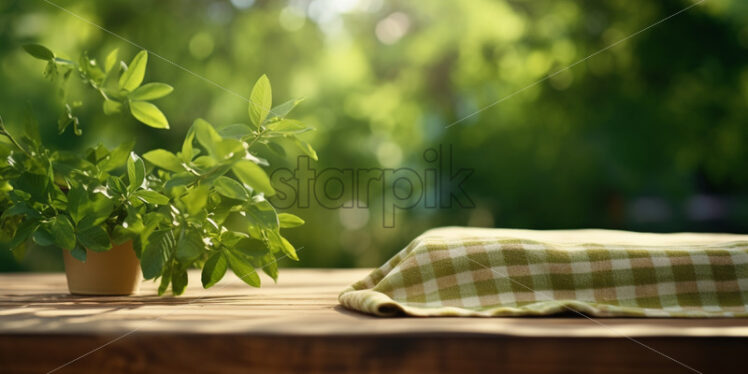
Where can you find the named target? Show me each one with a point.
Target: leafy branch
(203, 206)
(120, 85)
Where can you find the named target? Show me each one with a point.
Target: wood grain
(297, 326)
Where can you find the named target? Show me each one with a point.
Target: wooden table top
(36, 311)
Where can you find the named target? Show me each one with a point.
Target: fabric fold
(455, 271)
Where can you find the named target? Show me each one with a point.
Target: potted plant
(116, 214)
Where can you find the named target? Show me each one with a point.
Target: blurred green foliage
(647, 135)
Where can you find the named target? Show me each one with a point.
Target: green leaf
(229, 238)
(151, 91)
(282, 110)
(34, 184)
(270, 266)
(111, 107)
(251, 247)
(62, 232)
(228, 148)
(306, 148)
(235, 131)
(117, 157)
(288, 220)
(282, 244)
(178, 181)
(77, 201)
(111, 59)
(43, 237)
(230, 188)
(187, 151)
(151, 197)
(214, 270)
(20, 209)
(97, 154)
(115, 187)
(260, 101)
(135, 172)
(178, 281)
(238, 222)
(112, 67)
(195, 199)
(79, 253)
(160, 245)
(96, 211)
(86, 66)
(165, 279)
(149, 114)
(261, 213)
(252, 175)
(190, 246)
(95, 239)
(212, 141)
(206, 134)
(277, 148)
(204, 164)
(66, 119)
(288, 249)
(121, 235)
(245, 271)
(135, 72)
(22, 233)
(39, 51)
(19, 252)
(288, 126)
(164, 159)
(151, 220)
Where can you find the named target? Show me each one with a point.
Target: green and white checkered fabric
(495, 272)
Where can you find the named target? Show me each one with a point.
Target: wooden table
(297, 326)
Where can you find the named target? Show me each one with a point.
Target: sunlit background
(648, 135)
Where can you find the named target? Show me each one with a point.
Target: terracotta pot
(114, 272)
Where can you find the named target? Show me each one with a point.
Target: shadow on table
(63, 300)
(50, 311)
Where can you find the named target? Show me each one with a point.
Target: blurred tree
(647, 135)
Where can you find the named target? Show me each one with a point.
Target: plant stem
(4, 131)
(200, 178)
(259, 135)
(101, 91)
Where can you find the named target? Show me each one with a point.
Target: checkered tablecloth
(496, 272)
